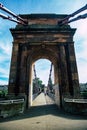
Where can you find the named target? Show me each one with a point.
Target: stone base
(11, 107)
(75, 106)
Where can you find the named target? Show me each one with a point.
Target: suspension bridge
(43, 88)
(46, 36)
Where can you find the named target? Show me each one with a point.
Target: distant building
(83, 87)
(3, 87)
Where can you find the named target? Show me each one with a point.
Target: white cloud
(44, 75)
(4, 72)
(5, 56)
(5, 50)
(81, 26)
(3, 82)
(42, 67)
(81, 48)
(82, 63)
(82, 69)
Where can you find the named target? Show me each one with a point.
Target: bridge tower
(43, 38)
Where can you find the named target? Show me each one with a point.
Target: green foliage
(84, 93)
(3, 93)
(37, 85)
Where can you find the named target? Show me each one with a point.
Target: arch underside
(43, 53)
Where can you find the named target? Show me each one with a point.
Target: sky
(43, 6)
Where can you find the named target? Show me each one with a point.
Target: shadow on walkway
(44, 110)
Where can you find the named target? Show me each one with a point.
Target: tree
(37, 85)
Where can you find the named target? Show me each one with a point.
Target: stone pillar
(62, 74)
(72, 70)
(28, 84)
(29, 87)
(56, 85)
(13, 69)
(63, 71)
(23, 67)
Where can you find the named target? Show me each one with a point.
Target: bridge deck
(44, 115)
(42, 100)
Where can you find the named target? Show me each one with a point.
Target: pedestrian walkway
(44, 117)
(42, 100)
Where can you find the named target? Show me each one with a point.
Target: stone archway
(39, 53)
(43, 38)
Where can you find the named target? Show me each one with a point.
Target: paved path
(46, 116)
(42, 100)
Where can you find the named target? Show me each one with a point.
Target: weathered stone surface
(11, 107)
(43, 38)
(76, 106)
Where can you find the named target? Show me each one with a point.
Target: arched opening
(43, 81)
(44, 54)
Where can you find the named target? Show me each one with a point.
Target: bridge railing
(11, 107)
(75, 106)
(34, 95)
(52, 96)
(75, 100)
(11, 101)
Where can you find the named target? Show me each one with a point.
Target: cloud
(5, 52)
(42, 67)
(82, 62)
(6, 48)
(3, 82)
(82, 69)
(5, 57)
(80, 39)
